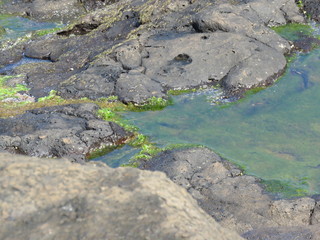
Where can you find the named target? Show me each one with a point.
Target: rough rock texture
(312, 7)
(244, 20)
(54, 199)
(160, 42)
(69, 56)
(189, 60)
(135, 87)
(49, 10)
(284, 233)
(235, 200)
(70, 131)
(97, 81)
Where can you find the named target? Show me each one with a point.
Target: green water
(274, 134)
(18, 26)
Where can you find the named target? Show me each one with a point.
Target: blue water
(118, 156)
(24, 60)
(18, 26)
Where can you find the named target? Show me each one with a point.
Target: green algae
(294, 31)
(10, 92)
(274, 133)
(285, 189)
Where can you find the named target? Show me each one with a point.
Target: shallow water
(118, 156)
(18, 26)
(274, 134)
(24, 60)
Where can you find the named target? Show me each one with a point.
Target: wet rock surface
(48, 10)
(235, 200)
(54, 199)
(70, 131)
(312, 7)
(167, 45)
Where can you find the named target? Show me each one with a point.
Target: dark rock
(244, 20)
(312, 7)
(54, 199)
(261, 69)
(137, 88)
(69, 56)
(97, 81)
(180, 61)
(71, 131)
(235, 200)
(306, 44)
(282, 233)
(57, 10)
(166, 46)
(129, 54)
(11, 55)
(90, 5)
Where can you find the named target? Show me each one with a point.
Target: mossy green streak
(294, 31)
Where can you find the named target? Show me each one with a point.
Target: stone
(55, 199)
(182, 61)
(244, 20)
(283, 233)
(235, 200)
(58, 10)
(137, 88)
(96, 82)
(71, 131)
(70, 56)
(129, 54)
(312, 7)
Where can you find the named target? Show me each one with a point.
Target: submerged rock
(54, 199)
(235, 200)
(70, 131)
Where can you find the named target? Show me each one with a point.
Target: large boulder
(235, 200)
(242, 20)
(54, 199)
(71, 131)
(180, 61)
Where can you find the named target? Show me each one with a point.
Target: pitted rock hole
(183, 59)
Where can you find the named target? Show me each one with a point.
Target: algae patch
(10, 92)
(294, 31)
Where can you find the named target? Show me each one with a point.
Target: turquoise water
(274, 134)
(118, 156)
(18, 26)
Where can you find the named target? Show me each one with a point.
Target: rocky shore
(237, 201)
(135, 51)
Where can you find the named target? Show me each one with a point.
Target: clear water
(24, 60)
(18, 26)
(118, 156)
(274, 134)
